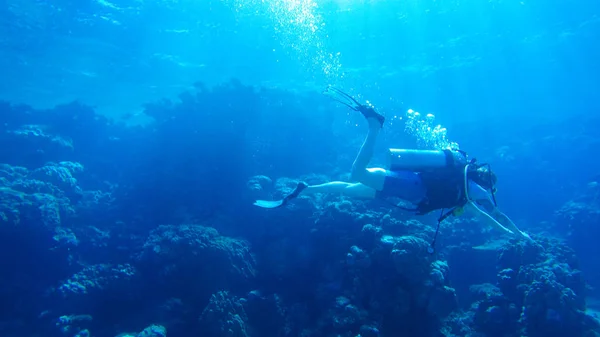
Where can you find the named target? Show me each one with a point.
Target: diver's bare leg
(353, 190)
(369, 180)
(373, 178)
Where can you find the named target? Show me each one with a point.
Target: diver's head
(484, 177)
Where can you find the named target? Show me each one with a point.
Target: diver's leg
(357, 190)
(353, 190)
(373, 178)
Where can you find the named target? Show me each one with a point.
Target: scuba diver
(428, 179)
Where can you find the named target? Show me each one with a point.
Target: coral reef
(109, 230)
(173, 251)
(539, 292)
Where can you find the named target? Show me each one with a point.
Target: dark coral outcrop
(194, 260)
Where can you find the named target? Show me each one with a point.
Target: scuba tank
(425, 160)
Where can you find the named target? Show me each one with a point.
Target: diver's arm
(499, 219)
(508, 223)
(483, 203)
(487, 217)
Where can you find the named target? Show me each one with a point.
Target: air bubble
(300, 30)
(427, 134)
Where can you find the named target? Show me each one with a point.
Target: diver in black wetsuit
(429, 179)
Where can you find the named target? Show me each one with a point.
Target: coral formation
(109, 230)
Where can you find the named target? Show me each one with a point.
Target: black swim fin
(368, 111)
(278, 203)
(342, 97)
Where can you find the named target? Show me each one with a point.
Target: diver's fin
(341, 97)
(368, 111)
(268, 204)
(278, 203)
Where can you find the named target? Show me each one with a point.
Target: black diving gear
(443, 174)
(440, 172)
(368, 111)
(482, 175)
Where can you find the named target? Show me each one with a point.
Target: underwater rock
(31, 134)
(45, 195)
(400, 280)
(411, 258)
(259, 183)
(83, 333)
(65, 237)
(577, 220)
(459, 324)
(370, 236)
(393, 225)
(354, 214)
(196, 259)
(194, 244)
(31, 209)
(346, 318)
(59, 175)
(518, 253)
(153, 331)
(372, 232)
(540, 293)
(98, 280)
(439, 273)
(485, 291)
(266, 314)
(224, 316)
(358, 258)
(442, 301)
(369, 331)
(494, 314)
(578, 217)
(32, 143)
(551, 309)
(74, 325)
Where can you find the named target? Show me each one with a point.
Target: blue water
(136, 135)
